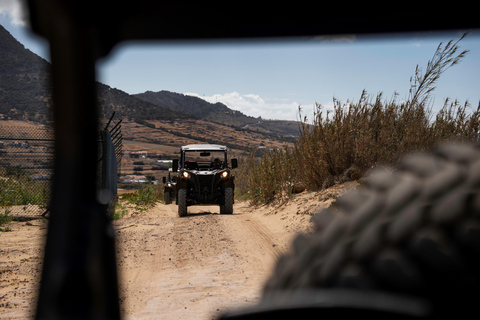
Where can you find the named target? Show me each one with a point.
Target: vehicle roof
(203, 147)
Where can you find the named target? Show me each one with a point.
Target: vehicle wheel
(413, 232)
(228, 207)
(182, 202)
(167, 198)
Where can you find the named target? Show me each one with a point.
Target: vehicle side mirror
(164, 179)
(234, 163)
(175, 165)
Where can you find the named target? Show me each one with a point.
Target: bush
(146, 196)
(267, 178)
(362, 135)
(119, 211)
(5, 218)
(22, 191)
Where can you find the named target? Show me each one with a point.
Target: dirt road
(195, 267)
(199, 266)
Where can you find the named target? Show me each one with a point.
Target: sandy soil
(195, 267)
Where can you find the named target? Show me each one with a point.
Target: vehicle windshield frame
(194, 156)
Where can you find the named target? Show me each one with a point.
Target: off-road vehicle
(170, 188)
(204, 177)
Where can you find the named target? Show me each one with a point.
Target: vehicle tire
(182, 202)
(167, 197)
(413, 232)
(228, 207)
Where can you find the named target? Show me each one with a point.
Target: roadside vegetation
(22, 190)
(5, 218)
(344, 143)
(143, 198)
(17, 188)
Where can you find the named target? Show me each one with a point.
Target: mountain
(24, 81)
(197, 107)
(25, 94)
(127, 106)
(219, 113)
(25, 89)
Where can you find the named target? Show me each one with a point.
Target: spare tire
(407, 242)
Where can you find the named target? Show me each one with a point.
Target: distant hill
(219, 113)
(25, 94)
(197, 107)
(25, 89)
(24, 82)
(132, 108)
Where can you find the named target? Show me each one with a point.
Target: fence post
(107, 189)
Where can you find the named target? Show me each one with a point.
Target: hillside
(25, 90)
(25, 95)
(24, 82)
(219, 113)
(129, 107)
(197, 107)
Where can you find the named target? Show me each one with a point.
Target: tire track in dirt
(21, 259)
(255, 246)
(194, 267)
(142, 242)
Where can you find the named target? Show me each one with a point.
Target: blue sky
(271, 79)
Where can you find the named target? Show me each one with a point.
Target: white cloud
(254, 105)
(13, 9)
(416, 42)
(336, 38)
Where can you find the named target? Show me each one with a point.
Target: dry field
(199, 131)
(164, 142)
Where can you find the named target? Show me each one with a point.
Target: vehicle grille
(205, 179)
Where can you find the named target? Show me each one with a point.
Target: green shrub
(146, 196)
(22, 191)
(119, 211)
(4, 219)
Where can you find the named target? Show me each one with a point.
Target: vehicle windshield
(204, 160)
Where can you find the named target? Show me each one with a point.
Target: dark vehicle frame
(203, 182)
(170, 188)
(79, 277)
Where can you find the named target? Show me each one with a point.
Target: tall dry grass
(263, 179)
(353, 137)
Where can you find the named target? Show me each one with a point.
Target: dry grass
(351, 139)
(345, 142)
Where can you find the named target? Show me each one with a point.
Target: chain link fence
(26, 166)
(109, 162)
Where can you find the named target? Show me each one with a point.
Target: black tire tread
(414, 231)
(228, 207)
(182, 202)
(167, 198)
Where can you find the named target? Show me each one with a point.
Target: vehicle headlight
(186, 175)
(224, 174)
(169, 184)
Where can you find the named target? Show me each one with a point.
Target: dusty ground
(196, 267)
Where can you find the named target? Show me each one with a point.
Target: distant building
(133, 179)
(138, 154)
(164, 164)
